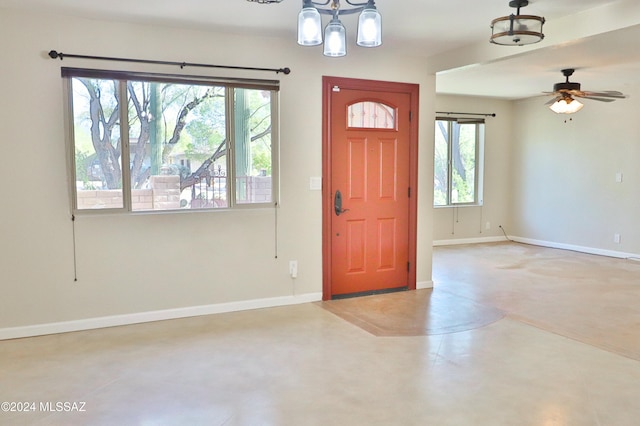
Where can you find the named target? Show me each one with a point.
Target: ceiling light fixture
(566, 91)
(517, 30)
(566, 105)
(335, 35)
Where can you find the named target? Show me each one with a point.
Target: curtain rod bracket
(55, 55)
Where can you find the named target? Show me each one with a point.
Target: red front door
(369, 193)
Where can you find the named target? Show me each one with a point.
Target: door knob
(337, 204)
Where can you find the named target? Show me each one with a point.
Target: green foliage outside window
(457, 147)
(174, 129)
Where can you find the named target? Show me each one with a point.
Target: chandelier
(335, 36)
(517, 30)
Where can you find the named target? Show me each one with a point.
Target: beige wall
(451, 224)
(551, 179)
(128, 264)
(564, 181)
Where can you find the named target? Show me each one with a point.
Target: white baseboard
(582, 249)
(424, 284)
(468, 241)
(136, 318)
(542, 243)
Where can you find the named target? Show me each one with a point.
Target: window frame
(479, 162)
(229, 84)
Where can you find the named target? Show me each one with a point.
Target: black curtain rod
(54, 55)
(466, 113)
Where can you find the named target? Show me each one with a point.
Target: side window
(371, 115)
(253, 124)
(457, 163)
(97, 144)
(187, 146)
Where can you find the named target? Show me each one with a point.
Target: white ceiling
(598, 37)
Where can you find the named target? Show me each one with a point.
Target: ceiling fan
(564, 93)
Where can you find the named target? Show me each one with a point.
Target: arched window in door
(371, 115)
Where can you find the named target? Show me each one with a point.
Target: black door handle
(337, 204)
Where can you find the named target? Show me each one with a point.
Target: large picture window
(459, 147)
(189, 143)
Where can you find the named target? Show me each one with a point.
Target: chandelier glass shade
(309, 27)
(517, 30)
(335, 39)
(369, 27)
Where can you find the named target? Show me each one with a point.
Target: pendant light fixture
(517, 30)
(335, 35)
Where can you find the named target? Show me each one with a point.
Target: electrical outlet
(616, 238)
(487, 225)
(293, 268)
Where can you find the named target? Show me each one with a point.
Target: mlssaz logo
(62, 406)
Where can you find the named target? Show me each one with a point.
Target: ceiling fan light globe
(566, 106)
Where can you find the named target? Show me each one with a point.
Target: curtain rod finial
(53, 54)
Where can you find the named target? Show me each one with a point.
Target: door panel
(387, 237)
(388, 171)
(357, 164)
(356, 246)
(370, 240)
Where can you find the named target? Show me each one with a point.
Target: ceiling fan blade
(553, 101)
(607, 94)
(593, 98)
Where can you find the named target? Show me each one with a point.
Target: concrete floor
(511, 335)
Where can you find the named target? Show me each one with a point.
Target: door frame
(328, 83)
